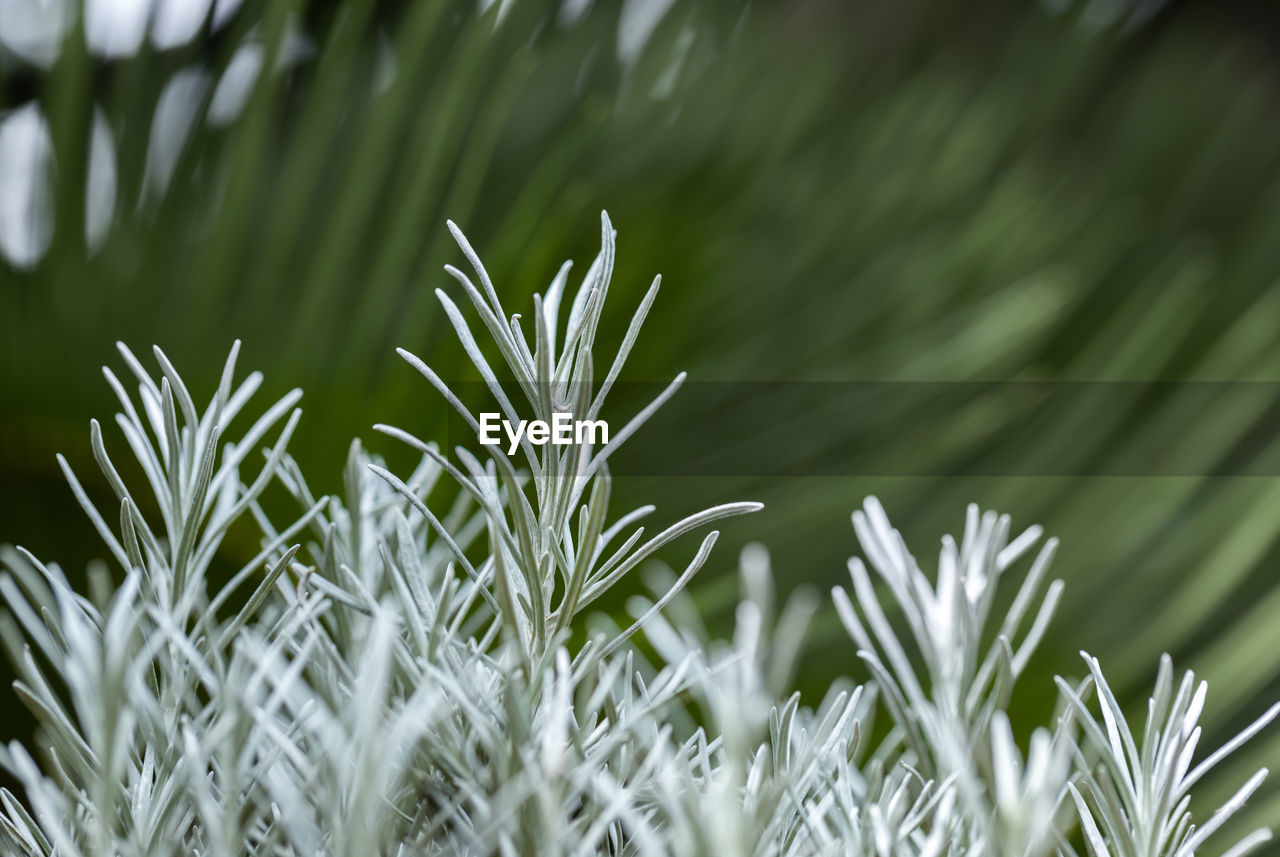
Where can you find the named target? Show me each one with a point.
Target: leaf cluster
(395, 671)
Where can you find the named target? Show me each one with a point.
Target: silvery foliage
(396, 671)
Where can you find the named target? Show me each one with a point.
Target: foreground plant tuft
(399, 670)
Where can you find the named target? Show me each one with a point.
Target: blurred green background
(958, 193)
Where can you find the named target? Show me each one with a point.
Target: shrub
(407, 669)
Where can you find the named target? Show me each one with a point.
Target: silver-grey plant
(396, 672)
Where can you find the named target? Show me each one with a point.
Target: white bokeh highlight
(175, 113)
(26, 209)
(100, 184)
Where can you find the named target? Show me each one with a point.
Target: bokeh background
(1024, 254)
